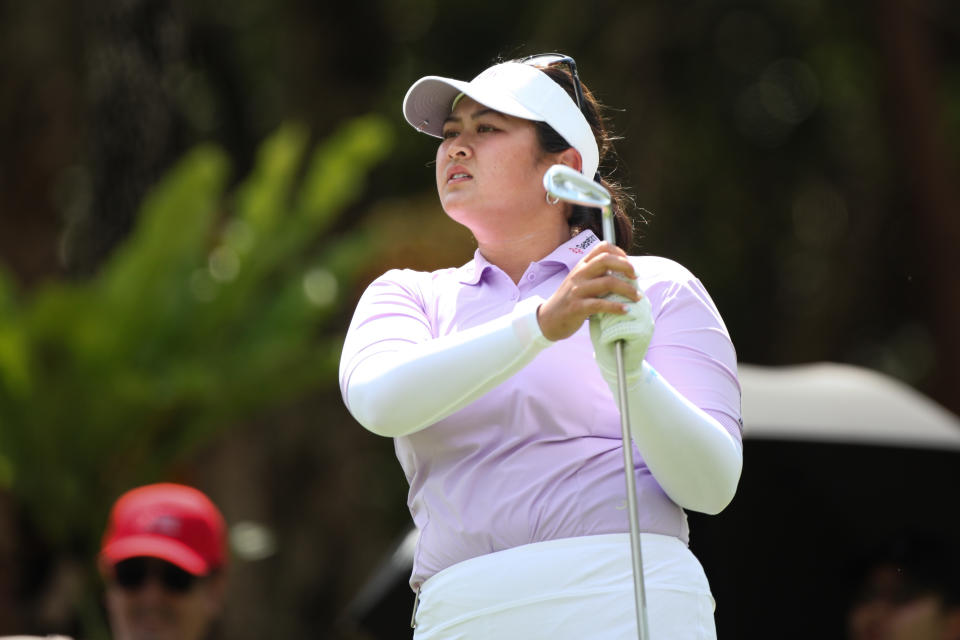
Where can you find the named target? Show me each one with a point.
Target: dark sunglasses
(550, 59)
(133, 573)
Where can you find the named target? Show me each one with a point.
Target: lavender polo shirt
(538, 457)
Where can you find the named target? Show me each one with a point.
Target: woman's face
(490, 172)
(888, 611)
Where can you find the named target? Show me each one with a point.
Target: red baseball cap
(172, 522)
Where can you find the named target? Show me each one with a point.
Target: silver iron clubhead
(571, 186)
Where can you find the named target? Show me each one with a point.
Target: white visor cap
(512, 88)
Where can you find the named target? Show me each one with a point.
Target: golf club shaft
(609, 235)
(636, 553)
(567, 184)
(635, 550)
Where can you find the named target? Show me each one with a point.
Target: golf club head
(570, 185)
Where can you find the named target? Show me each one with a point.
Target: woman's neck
(514, 254)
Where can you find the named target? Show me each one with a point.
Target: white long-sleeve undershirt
(694, 459)
(401, 391)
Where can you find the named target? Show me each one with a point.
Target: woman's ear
(571, 158)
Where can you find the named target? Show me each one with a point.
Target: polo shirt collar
(472, 272)
(567, 254)
(573, 250)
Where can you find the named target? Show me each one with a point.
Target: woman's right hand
(582, 293)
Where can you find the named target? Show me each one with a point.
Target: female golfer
(499, 392)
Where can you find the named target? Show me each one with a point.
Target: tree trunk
(929, 172)
(134, 50)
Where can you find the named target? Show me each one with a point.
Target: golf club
(571, 186)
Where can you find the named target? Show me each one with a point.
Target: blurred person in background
(497, 381)
(909, 590)
(163, 559)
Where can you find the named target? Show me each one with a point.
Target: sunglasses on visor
(133, 573)
(550, 59)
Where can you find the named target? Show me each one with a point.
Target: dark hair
(553, 142)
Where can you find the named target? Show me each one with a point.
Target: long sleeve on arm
(397, 378)
(684, 402)
(694, 459)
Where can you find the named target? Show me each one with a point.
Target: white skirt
(572, 588)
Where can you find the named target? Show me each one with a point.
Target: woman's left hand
(582, 293)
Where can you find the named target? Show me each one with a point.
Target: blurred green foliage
(215, 308)
(762, 139)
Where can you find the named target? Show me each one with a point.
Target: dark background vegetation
(800, 156)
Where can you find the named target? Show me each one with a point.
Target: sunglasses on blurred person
(132, 574)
